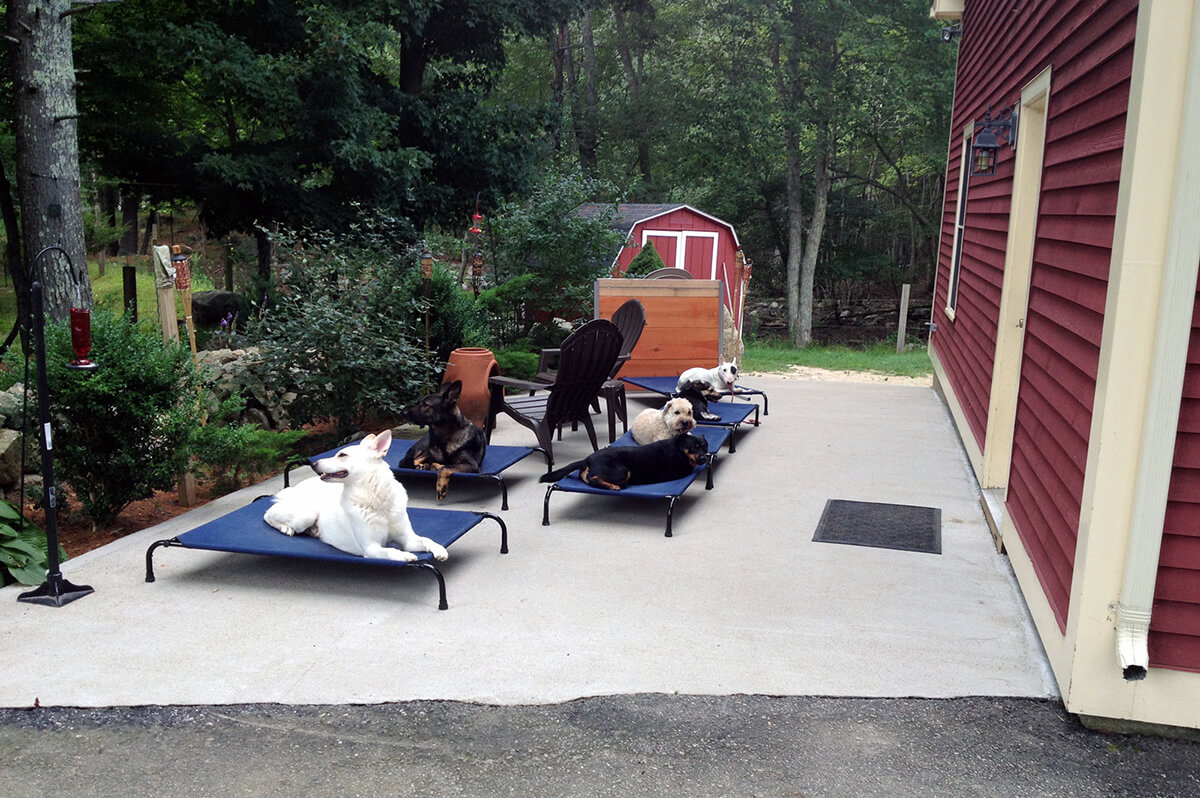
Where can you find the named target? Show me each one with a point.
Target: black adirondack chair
(587, 358)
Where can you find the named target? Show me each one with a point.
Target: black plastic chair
(587, 357)
(630, 319)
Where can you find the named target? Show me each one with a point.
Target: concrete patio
(739, 601)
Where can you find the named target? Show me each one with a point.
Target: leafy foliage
(341, 328)
(230, 454)
(268, 113)
(517, 362)
(123, 430)
(551, 254)
(646, 261)
(23, 555)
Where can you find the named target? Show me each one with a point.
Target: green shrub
(545, 237)
(454, 320)
(230, 454)
(517, 363)
(646, 261)
(123, 430)
(341, 329)
(23, 554)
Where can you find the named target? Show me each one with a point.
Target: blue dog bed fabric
(729, 415)
(666, 387)
(244, 531)
(495, 460)
(715, 437)
(671, 491)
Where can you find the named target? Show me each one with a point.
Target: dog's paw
(285, 529)
(438, 551)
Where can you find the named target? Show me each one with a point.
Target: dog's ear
(379, 443)
(451, 390)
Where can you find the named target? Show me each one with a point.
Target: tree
(816, 127)
(47, 158)
(308, 114)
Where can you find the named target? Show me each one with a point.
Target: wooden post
(901, 333)
(129, 287)
(164, 285)
(187, 489)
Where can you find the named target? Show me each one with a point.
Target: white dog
(721, 378)
(652, 425)
(354, 504)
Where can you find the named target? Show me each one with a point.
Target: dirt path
(827, 375)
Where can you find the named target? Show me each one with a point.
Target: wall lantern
(987, 140)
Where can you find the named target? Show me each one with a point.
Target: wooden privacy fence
(683, 323)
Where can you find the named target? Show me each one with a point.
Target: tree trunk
(12, 257)
(795, 245)
(47, 161)
(812, 247)
(637, 111)
(108, 212)
(129, 219)
(263, 239)
(587, 124)
(412, 65)
(563, 83)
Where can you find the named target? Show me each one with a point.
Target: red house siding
(1175, 622)
(1004, 46)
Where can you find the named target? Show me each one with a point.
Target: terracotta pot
(473, 365)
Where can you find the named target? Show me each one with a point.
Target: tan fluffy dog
(652, 425)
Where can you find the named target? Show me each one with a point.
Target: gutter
(1167, 369)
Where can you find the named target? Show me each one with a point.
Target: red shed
(685, 238)
(1067, 340)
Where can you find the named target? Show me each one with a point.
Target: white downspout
(1167, 367)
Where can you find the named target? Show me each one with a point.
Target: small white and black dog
(652, 424)
(721, 378)
(698, 394)
(354, 504)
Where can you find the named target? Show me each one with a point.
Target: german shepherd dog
(619, 467)
(452, 445)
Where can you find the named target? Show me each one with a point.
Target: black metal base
(55, 592)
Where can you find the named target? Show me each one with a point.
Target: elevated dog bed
(730, 416)
(244, 531)
(671, 491)
(495, 460)
(666, 387)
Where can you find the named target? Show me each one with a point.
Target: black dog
(621, 466)
(452, 445)
(700, 393)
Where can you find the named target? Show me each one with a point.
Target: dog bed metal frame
(495, 460)
(244, 531)
(671, 491)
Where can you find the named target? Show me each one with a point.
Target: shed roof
(625, 216)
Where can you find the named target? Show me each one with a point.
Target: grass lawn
(109, 292)
(881, 358)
